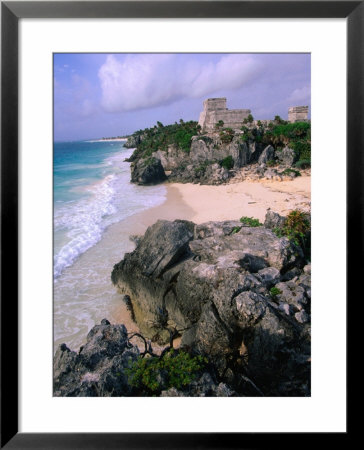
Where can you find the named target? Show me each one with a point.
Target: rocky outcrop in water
(147, 171)
(213, 282)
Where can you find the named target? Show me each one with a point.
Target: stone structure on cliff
(214, 110)
(297, 113)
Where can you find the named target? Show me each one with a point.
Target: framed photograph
(157, 220)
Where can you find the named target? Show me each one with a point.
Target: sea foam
(80, 224)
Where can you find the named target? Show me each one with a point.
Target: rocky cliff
(216, 156)
(100, 369)
(238, 294)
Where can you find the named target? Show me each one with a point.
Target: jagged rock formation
(221, 144)
(212, 282)
(98, 369)
(147, 171)
(203, 164)
(287, 156)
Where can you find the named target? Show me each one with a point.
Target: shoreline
(107, 140)
(193, 202)
(204, 203)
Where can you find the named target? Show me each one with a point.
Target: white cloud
(144, 81)
(300, 94)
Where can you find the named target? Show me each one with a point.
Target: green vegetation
(160, 137)
(201, 169)
(248, 133)
(274, 291)
(248, 119)
(207, 140)
(227, 163)
(303, 148)
(303, 164)
(296, 135)
(279, 120)
(272, 163)
(297, 228)
(227, 135)
(219, 124)
(289, 171)
(175, 369)
(236, 230)
(250, 221)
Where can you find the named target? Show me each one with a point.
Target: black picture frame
(11, 12)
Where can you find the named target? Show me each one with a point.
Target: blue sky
(101, 95)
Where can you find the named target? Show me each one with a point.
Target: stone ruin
(214, 110)
(297, 113)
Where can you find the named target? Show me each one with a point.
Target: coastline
(202, 203)
(197, 203)
(108, 140)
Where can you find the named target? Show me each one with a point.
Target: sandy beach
(246, 198)
(198, 203)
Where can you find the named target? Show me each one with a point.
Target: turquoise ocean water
(92, 193)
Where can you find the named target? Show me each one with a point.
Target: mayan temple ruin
(297, 113)
(214, 110)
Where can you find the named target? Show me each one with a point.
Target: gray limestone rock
(292, 294)
(302, 316)
(211, 280)
(147, 171)
(267, 155)
(269, 275)
(274, 220)
(287, 156)
(98, 370)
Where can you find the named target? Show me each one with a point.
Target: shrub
(272, 163)
(227, 163)
(302, 148)
(279, 120)
(274, 291)
(175, 369)
(219, 124)
(303, 164)
(206, 139)
(297, 228)
(250, 221)
(227, 135)
(235, 230)
(289, 171)
(201, 169)
(160, 136)
(248, 119)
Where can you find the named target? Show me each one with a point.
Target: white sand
(247, 198)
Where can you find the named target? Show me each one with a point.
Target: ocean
(93, 200)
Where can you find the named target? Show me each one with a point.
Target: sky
(102, 95)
